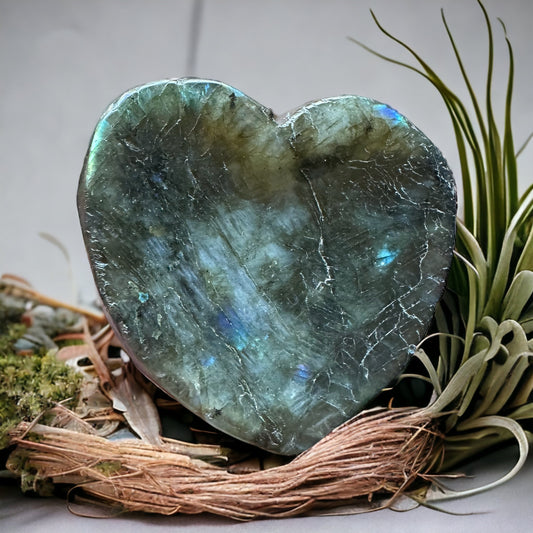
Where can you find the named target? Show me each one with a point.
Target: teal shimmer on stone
(271, 274)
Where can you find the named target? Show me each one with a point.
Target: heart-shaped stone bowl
(271, 274)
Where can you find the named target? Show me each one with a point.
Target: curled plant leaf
(438, 493)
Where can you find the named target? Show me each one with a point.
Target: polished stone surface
(271, 274)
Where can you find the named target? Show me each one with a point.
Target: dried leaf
(137, 406)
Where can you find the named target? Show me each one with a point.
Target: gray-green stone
(271, 274)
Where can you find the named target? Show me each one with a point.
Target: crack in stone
(330, 278)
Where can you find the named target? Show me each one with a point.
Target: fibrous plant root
(379, 452)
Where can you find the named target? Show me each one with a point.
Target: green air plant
(481, 369)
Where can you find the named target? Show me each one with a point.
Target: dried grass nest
(380, 453)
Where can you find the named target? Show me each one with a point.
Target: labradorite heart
(271, 274)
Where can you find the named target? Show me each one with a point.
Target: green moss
(29, 384)
(30, 480)
(9, 334)
(108, 468)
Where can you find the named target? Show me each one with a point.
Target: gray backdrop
(63, 61)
